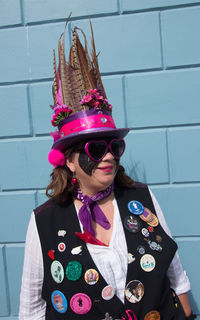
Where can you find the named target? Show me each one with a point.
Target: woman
(100, 247)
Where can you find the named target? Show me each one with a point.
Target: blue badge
(59, 301)
(135, 207)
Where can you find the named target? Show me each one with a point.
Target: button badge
(134, 291)
(59, 301)
(57, 271)
(135, 207)
(80, 303)
(91, 276)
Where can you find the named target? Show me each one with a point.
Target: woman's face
(102, 174)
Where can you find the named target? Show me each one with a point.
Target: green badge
(73, 270)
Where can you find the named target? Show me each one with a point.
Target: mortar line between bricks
(73, 19)
(6, 281)
(11, 26)
(107, 74)
(168, 156)
(173, 185)
(36, 198)
(186, 125)
(187, 66)
(21, 190)
(22, 12)
(119, 6)
(161, 41)
(124, 102)
(162, 8)
(30, 112)
(7, 242)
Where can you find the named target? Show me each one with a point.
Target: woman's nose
(108, 156)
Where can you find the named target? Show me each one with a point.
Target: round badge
(152, 315)
(57, 271)
(135, 207)
(131, 258)
(158, 238)
(134, 291)
(61, 246)
(154, 222)
(91, 276)
(141, 249)
(147, 215)
(145, 232)
(59, 301)
(147, 262)
(80, 303)
(108, 292)
(153, 245)
(132, 224)
(73, 270)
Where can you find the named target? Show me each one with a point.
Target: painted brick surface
(30, 168)
(114, 91)
(41, 98)
(4, 308)
(41, 197)
(145, 157)
(16, 208)
(13, 55)
(184, 152)
(41, 10)
(138, 41)
(181, 43)
(14, 259)
(14, 105)
(128, 43)
(163, 98)
(10, 13)
(188, 250)
(42, 40)
(170, 198)
(138, 5)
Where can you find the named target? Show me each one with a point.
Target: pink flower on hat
(60, 113)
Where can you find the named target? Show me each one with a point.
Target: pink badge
(80, 303)
(108, 292)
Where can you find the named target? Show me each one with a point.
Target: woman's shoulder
(45, 206)
(50, 205)
(136, 185)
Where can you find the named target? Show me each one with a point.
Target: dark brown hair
(61, 187)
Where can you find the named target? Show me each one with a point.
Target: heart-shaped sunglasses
(97, 149)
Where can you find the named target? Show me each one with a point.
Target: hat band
(85, 123)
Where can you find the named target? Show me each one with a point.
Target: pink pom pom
(56, 158)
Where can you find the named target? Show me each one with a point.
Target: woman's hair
(61, 187)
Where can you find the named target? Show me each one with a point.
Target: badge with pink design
(108, 292)
(80, 303)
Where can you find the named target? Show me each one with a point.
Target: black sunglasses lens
(97, 150)
(117, 148)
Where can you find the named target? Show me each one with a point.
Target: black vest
(52, 217)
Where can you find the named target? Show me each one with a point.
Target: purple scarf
(91, 211)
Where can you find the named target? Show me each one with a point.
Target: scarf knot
(91, 211)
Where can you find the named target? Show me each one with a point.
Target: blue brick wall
(150, 63)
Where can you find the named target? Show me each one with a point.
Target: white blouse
(111, 262)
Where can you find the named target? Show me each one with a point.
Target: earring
(74, 180)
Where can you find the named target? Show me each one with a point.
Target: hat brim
(71, 139)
